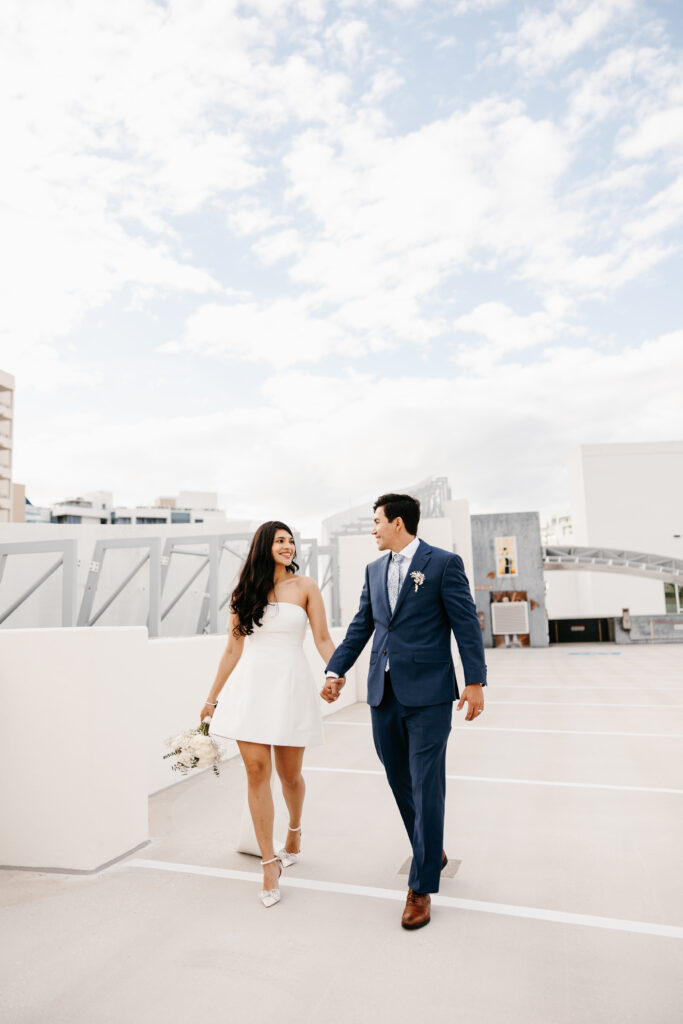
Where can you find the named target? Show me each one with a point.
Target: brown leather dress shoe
(444, 859)
(416, 913)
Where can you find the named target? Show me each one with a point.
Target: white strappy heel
(269, 897)
(287, 858)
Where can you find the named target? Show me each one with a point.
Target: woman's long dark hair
(250, 596)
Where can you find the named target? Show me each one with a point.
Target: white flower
(419, 578)
(194, 749)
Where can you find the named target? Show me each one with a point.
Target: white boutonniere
(419, 578)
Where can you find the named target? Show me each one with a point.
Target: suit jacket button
(390, 628)
(384, 653)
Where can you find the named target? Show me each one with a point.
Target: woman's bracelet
(211, 703)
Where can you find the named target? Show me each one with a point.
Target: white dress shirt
(409, 552)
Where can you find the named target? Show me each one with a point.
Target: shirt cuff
(331, 675)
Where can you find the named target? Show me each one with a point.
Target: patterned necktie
(394, 580)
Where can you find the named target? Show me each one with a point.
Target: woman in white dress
(272, 702)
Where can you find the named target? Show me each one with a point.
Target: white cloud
(407, 5)
(619, 85)
(282, 333)
(42, 369)
(477, 6)
(404, 213)
(314, 10)
(658, 130)
(129, 132)
(383, 84)
(229, 172)
(314, 439)
(660, 214)
(194, 169)
(141, 114)
(351, 36)
(543, 39)
(505, 331)
(62, 256)
(248, 216)
(272, 248)
(398, 219)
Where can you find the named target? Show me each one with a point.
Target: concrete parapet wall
(650, 629)
(83, 718)
(74, 726)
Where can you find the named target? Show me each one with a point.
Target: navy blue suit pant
(411, 744)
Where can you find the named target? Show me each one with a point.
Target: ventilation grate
(510, 617)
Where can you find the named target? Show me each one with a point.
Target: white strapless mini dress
(271, 696)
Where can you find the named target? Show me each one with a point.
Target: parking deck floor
(562, 903)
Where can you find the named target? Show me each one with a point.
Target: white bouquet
(194, 749)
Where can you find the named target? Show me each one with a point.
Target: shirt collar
(409, 550)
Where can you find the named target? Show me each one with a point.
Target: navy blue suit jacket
(416, 639)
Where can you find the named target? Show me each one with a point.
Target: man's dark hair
(403, 505)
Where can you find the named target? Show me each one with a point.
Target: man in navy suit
(411, 601)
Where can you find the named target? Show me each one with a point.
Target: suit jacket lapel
(384, 576)
(422, 556)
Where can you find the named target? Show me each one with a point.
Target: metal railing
(86, 616)
(208, 549)
(67, 562)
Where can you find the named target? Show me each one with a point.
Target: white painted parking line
(557, 732)
(516, 782)
(570, 688)
(451, 902)
(573, 679)
(583, 732)
(577, 704)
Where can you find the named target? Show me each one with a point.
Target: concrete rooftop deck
(564, 813)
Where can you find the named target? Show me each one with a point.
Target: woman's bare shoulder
(307, 584)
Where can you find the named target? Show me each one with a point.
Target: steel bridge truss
(633, 563)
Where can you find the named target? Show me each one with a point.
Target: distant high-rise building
(6, 432)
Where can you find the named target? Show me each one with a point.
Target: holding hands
(472, 695)
(332, 688)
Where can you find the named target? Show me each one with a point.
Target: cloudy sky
(301, 252)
